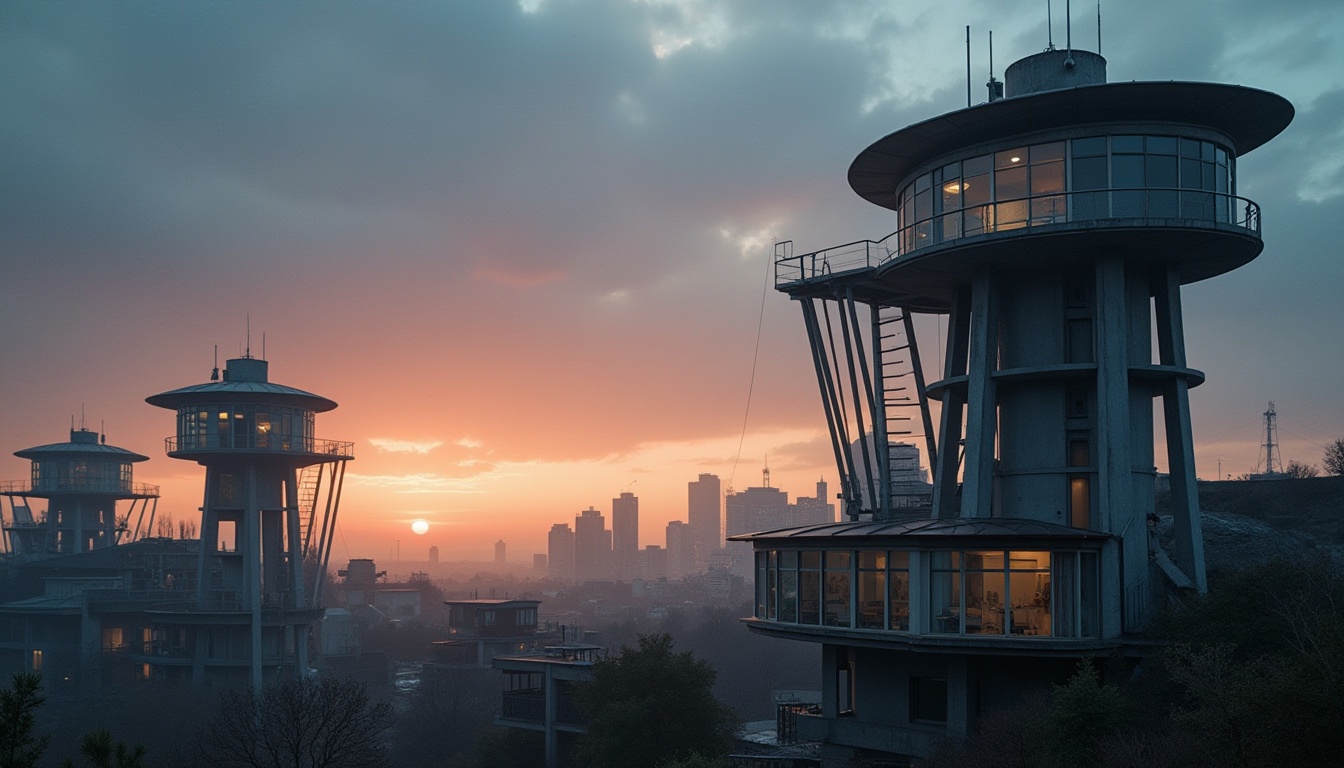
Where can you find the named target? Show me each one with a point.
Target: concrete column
(1110, 334)
(954, 405)
(977, 490)
(959, 697)
(551, 715)
(1180, 435)
(295, 542)
(252, 570)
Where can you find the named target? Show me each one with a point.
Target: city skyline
(376, 191)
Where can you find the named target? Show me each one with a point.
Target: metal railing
(252, 442)
(92, 485)
(1132, 207)
(528, 707)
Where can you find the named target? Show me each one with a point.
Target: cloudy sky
(525, 245)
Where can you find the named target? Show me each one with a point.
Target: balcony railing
(1137, 207)
(77, 485)
(529, 707)
(255, 443)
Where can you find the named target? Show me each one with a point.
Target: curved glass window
(262, 427)
(1119, 176)
(81, 475)
(1014, 593)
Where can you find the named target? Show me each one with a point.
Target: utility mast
(1273, 457)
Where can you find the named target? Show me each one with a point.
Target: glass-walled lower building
(910, 580)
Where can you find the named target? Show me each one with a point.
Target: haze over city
(525, 247)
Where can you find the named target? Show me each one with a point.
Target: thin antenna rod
(263, 345)
(1050, 27)
(1098, 27)
(968, 65)
(248, 353)
(991, 54)
(1068, 27)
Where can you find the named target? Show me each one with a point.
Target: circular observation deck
(82, 466)
(244, 413)
(1145, 170)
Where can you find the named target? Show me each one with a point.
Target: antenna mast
(1271, 444)
(1098, 27)
(1049, 27)
(968, 65)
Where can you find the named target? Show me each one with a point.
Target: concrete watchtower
(82, 481)
(265, 533)
(1054, 228)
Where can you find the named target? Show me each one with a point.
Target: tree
(99, 748)
(19, 748)
(648, 706)
(1083, 713)
(297, 724)
(1299, 471)
(1334, 457)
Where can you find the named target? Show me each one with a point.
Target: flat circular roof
(1249, 117)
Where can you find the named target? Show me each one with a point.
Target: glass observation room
(244, 427)
(1097, 177)
(984, 592)
(81, 475)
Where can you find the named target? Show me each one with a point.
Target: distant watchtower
(266, 527)
(82, 481)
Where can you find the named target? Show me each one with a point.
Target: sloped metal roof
(926, 528)
(239, 390)
(79, 450)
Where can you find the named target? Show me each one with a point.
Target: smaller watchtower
(82, 481)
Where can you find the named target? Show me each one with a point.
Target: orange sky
(536, 236)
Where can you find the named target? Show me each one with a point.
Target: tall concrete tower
(1054, 230)
(272, 490)
(82, 482)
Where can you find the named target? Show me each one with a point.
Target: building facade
(560, 552)
(704, 515)
(625, 535)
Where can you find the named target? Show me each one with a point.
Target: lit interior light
(1015, 159)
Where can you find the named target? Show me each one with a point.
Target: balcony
(1089, 210)
(330, 450)
(524, 706)
(114, 486)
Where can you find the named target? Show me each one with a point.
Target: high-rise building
(433, 555)
(704, 515)
(812, 511)
(1053, 228)
(592, 546)
(500, 549)
(625, 535)
(653, 563)
(560, 552)
(680, 550)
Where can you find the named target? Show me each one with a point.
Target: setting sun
(420, 527)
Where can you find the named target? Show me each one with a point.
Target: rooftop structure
(539, 694)
(1054, 229)
(272, 491)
